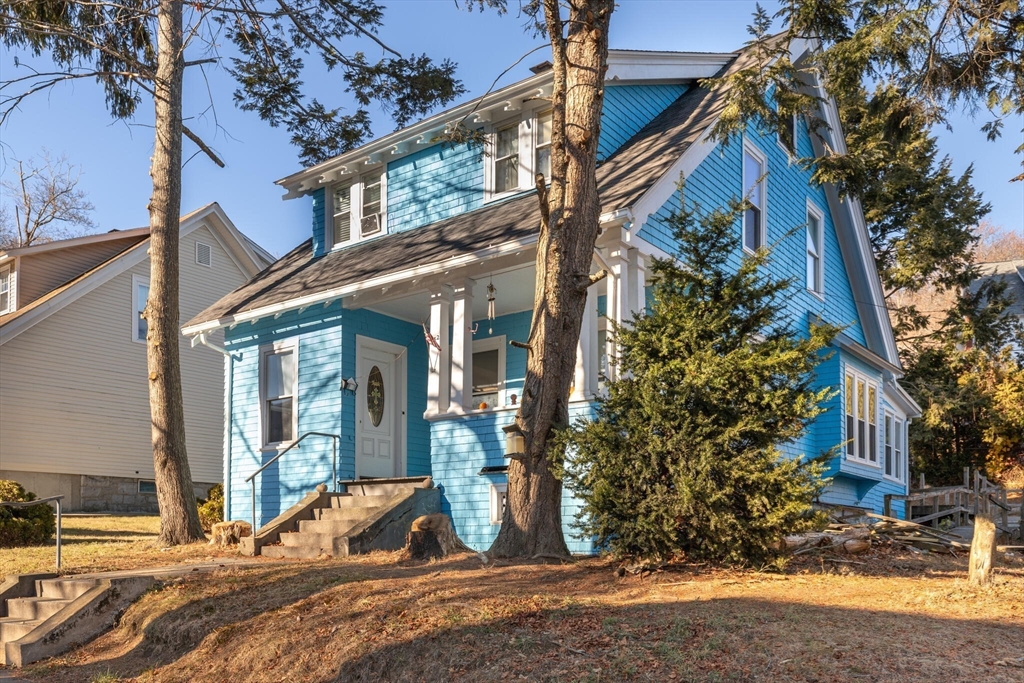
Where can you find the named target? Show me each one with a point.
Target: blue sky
(114, 156)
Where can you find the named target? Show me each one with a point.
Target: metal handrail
(38, 501)
(336, 444)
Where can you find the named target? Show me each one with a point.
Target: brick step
(354, 501)
(344, 514)
(289, 552)
(12, 629)
(64, 589)
(35, 608)
(336, 527)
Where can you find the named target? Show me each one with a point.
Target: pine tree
(685, 455)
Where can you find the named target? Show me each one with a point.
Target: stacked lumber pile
(854, 539)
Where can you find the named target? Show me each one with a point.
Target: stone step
(356, 501)
(290, 552)
(64, 589)
(344, 514)
(12, 629)
(35, 608)
(337, 527)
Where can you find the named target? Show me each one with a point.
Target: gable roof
(1009, 272)
(211, 215)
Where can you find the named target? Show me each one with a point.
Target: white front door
(380, 409)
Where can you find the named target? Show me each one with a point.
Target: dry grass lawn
(896, 616)
(104, 543)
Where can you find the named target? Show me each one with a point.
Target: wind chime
(491, 291)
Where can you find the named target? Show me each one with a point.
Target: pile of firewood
(854, 539)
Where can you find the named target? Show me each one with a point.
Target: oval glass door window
(375, 396)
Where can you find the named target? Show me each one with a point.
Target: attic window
(204, 254)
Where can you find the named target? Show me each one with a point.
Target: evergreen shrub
(33, 525)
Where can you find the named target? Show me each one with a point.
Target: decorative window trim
(762, 229)
(268, 350)
(813, 210)
(855, 444)
(499, 494)
(497, 343)
(7, 275)
(137, 306)
(209, 254)
(527, 121)
(355, 185)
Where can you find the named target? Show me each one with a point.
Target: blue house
(390, 326)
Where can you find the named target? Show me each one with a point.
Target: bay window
(861, 401)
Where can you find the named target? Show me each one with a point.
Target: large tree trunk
(532, 522)
(179, 518)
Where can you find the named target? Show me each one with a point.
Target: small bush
(211, 510)
(24, 526)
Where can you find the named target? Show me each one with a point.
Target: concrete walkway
(175, 570)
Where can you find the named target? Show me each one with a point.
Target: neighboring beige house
(74, 401)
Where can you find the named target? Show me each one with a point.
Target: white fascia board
(637, 66)
(76, 242)
(899, 396)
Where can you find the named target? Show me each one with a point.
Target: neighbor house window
(140, 293)
(488, 372)
(499, 495)
(342, 214)
(861, 418)
(278, 387)
(506, 159)
(147, 486)
(815, 272)
(754, 193)
(6, 300)
(542, 148)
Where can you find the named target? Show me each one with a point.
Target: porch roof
(622, 180)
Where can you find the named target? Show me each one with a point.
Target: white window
(899, 462)
(140, 294)
(204, 254)
(278, 393)
(861, 418)
(499, 495)
(815, 251)
(506, 158)
(754, 168)
(542, 146)
(6, 296)
(489, 372)
(888, 445)
(357, 209)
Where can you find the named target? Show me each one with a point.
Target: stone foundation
(87, 493)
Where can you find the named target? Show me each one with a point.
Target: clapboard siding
(326, 338)
(73, 390)
(628, 108)
(432, 184)
(43, 272)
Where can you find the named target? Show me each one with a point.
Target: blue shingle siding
(326, 338)
(628, 108)
(460, 448)
(319, 224)
(432, 184)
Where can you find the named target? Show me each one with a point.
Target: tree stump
(229, 533)
(432, 537)
(983, 548)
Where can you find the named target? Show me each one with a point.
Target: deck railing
(336, 446)
(39, 501)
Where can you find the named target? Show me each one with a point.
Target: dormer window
(506, 159)
(518, 151)
(357, 209)
(542, 147)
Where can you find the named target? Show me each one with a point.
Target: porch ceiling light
(515, 442)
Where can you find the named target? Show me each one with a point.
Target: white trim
(498, 491)
(75, 242)
(859, 379)
(497, 343)
(12, 302)
(402, 388)
(138, 281)
(356, 186)
(819, 285)
(276, 347)
(762, 229)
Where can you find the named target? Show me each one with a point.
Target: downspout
(228, 392)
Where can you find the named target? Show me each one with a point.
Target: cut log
(229, 533)
(432, 537)
(983, 548)
(856, 546)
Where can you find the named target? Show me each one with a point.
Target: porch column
(462, 345)
(438, 378)
(637, 281)
(618, 298)
(585, 380)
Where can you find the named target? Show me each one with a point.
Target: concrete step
(294, 553)
(12, 629)
(64, 589)
(304, 540)
(344, 514)
(35, 608)
(327, 526)
(355, 501)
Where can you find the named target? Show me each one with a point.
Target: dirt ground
(889, 616)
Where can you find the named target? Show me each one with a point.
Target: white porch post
(637, 281)
(438, 379)
(618, 297)
(585, 380)
(462, 345)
